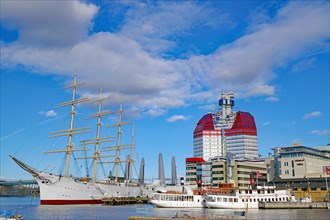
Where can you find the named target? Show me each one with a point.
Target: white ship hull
(247, 201)
(56, 190)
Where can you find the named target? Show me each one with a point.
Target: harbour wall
(294, 205)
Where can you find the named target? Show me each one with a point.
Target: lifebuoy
(276, 195)
(240, 196)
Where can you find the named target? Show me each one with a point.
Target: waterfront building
(242, 173)
(299, 161)
(191, 170)
(204, 172)
(226, 131)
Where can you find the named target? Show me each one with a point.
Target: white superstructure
(174, 199)
(250, 198)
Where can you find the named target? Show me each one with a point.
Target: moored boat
(65, 189)
(188, 198)
(248, 198)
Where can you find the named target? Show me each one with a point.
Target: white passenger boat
(173, 199)
(249, 198)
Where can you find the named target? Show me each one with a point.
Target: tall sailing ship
(66, 189)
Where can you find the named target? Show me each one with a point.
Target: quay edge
(294, 205)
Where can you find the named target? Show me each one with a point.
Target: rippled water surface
(30, 208)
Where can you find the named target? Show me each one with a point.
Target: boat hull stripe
(69, 202)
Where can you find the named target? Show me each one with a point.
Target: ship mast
(119, 147)
(117, 160)
(71, 131)
(97, 140)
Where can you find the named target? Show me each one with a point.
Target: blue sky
(169, 62)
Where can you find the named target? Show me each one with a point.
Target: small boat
(9, 216)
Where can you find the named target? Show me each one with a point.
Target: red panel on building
(243, 125)
(204, 124)
(195, 159)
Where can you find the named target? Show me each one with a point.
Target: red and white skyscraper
(226, 131)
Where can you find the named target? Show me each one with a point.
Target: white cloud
(320, 132)
(175, 118)
(48, 114)
(304, 64)
(312, 115)
(48, 23)
(266, 123)
(210, 107)
(153, 25)
(272, 99)
(155, 112)
(126, 65)
(247, 64)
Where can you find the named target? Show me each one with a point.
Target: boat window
(276, 199)
(250, 200)
(219, 199)
(273, 199)
(243, 200)
(235, 200)
(258, 191)
(225, 199)
(230, 199)
(240, 191)
(250, 191)
(246, 192)
(254, 200)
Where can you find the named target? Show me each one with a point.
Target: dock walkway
(124, 200)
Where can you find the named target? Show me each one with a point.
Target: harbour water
(29, 207)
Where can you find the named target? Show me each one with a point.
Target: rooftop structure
(226, 131)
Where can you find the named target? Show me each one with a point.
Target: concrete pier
(294, 205)
(184, 217)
